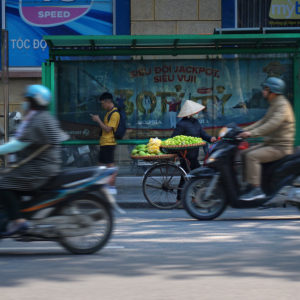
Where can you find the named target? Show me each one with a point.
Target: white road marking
(47, 248)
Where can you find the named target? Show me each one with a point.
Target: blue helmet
(276, 85)
(39, 93)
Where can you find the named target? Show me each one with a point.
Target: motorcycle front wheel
(96, 227)
(197, 205)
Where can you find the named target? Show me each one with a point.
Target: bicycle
(161, 182)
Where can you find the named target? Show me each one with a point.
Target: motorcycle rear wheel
(198, 207)
(99, 231)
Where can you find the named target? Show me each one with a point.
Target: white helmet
(15, 115)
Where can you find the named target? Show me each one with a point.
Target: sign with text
(265, 13)
(29, 20)
(153, 91)
(53, 12)
(282, 9)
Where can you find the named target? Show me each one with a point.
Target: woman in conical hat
(190, 108)
(190, 126)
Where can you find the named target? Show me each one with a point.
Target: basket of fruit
(181, 142)
(151, 151)
(163, 156)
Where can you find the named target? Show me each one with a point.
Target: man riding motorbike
(37, 145)
(278, 128)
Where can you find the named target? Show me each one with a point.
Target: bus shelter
(154, 75)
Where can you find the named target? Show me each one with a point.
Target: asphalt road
(153, 254)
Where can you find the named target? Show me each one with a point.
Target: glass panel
(154, 90)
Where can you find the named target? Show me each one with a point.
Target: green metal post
(297, 96)
(44, 73)
(48, 81)
(53, 88)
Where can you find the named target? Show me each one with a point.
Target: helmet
(276, 85)
(39, 93)
(15, 115)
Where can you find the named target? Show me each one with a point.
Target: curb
(129, 181)
(135, 205)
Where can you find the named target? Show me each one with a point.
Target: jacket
(42, 129)
(191, 127)
(277, 126)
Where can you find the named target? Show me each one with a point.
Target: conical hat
(189, 108)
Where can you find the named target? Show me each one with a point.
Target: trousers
(255, 156)
(10, 200)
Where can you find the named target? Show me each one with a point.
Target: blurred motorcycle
(74, 209)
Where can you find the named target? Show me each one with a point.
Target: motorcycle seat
(286, 167)
(69, 176)
(291, 157)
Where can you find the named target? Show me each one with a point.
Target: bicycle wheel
(161, 184)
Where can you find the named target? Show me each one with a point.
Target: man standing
(107, 139)
(278, 128)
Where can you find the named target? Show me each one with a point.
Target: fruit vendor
(190, 126)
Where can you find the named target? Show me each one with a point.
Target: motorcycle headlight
(210, 160)
(213, 157)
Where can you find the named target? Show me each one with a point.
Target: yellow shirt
(108, 138)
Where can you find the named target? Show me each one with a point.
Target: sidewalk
(129, 186)
(130, 192)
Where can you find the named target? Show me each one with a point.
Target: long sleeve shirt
(191, 127)
(278, 124)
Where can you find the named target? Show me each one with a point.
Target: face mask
(25, 106)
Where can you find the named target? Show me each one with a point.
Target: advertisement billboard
(27, 21)
(154, 90)
(260, 13)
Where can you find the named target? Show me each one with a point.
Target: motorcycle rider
(278, 129)
(35, 166)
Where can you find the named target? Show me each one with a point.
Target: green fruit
(134, 151)
(142, 153)
(182, 140)
(142, 146)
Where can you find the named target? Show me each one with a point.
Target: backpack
(120, 131)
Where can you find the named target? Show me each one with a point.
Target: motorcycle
(74, 209)
(216, 185)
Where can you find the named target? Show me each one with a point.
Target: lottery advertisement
(153, 91)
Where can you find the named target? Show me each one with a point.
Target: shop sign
(282, 9)
(263, 13)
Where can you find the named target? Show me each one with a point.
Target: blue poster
(153, 91)
(28, 21)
